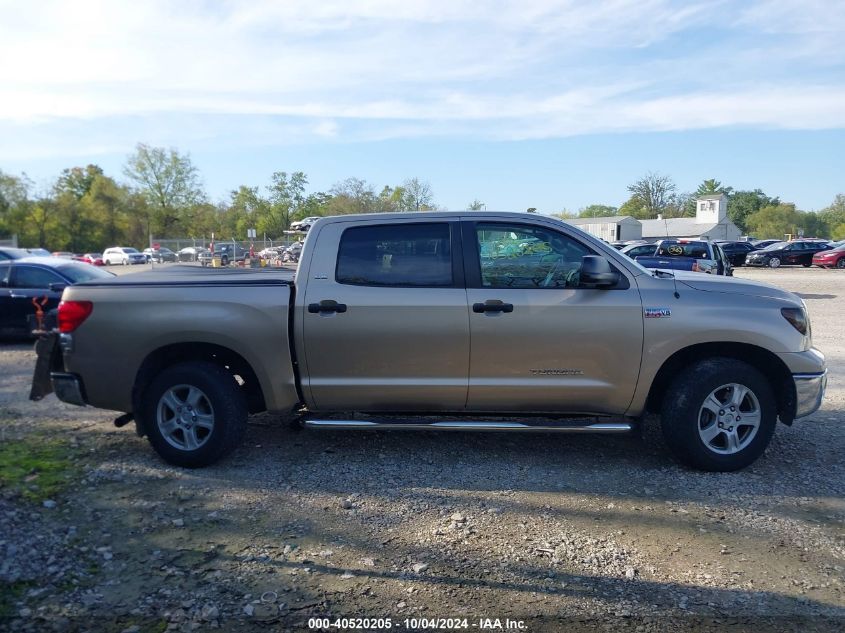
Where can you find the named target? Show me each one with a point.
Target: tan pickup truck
(449, 321)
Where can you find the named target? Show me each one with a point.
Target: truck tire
(194, 413)
(719, 415)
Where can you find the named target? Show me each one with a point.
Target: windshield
(775, 246)
(130, 250)
(83, 272)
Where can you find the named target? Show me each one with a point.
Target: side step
(460, 425)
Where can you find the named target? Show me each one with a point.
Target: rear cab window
(398, 254)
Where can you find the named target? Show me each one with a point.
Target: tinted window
(35, 277)
(4, 275)
(521, 256)
(396, 255)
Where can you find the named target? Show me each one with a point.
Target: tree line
(162, 196)
(753, 211)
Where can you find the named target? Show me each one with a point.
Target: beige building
(610, 229)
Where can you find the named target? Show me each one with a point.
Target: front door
(385, 321)
(539, 340)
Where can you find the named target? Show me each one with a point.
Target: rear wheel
(719, 415)
(224, 260)
(807, 265)
(840, 263)
(194, 413)
(774, 262)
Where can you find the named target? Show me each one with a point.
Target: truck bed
(139, 319)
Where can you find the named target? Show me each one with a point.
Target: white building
(711, 221)
(617, 227)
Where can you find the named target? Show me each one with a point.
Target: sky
(536, 103)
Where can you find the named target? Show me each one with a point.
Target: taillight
(72, 314)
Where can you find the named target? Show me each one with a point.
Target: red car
(92, 258)
(833, 258)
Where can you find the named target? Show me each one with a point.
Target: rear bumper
(68, 388)
(809, 392)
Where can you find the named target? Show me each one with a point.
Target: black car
(787, 254)
(736, 252)
(758, 244)
(30, 280)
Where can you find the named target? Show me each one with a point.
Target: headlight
(797, 318)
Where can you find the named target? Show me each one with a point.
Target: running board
(452, 425)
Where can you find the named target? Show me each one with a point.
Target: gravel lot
(574, 532)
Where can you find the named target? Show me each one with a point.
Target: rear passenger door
(385, 317)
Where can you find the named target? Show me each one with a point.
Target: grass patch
(35, 468)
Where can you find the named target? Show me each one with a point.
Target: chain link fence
(188, 249)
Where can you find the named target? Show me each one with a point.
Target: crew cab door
(539, 340)
(385, 317)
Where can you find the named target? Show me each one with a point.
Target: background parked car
(639, 249)
(226, 252)
(833, 258)
(38, 252)
(304, 224)
(292, 252)
(786, 254)
(736, 252)
(160, 255)
(190, 253)
(8, 252)
(39, 278)
(123, 255)
(64, 254)
(693, 255)
(760, 244)
(95, 259)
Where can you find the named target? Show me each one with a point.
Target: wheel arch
(766, 362)
(176, 353)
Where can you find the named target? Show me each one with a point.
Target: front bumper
(809, 392)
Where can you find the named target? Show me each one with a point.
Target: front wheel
(194, 413)
(719, 415)
(774, 262)
(224, 260)
(806, 265)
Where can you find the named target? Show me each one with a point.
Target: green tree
(417, 195)
(655, 193)
(169, 181)
(634, 207)
(775, 221)
(476, 205)
(598, 211)
(742, 204)
(287, 196)
(711, 187)
(352, 195)
(15, 203)
(834, 217)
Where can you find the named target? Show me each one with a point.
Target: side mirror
(57, 287)
(596, 271)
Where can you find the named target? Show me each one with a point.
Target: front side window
(34, 277)
(521, 256)
(396, 255)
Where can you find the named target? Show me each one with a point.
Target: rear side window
(396, 255)
(33, 277)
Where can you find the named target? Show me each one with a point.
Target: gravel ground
(575, 532)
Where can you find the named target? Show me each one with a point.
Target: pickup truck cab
(461, 318)
(691, 255)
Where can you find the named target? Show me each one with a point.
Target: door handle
(326, 306)
(492, 305)
(14, 296)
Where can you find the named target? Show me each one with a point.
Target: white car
(304, 224)
(123, 255)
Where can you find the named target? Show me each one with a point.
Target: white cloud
(347, 70)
